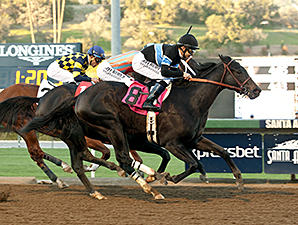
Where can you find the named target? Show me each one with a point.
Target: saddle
(135, 97)
(137, 94)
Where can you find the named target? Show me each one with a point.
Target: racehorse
(103, 116)
(36, 154)
(14, 119)
(31, 140)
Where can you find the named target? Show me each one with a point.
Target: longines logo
(36, 53)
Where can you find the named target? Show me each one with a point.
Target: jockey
(72, 67)
(116, 68)
(160, 62)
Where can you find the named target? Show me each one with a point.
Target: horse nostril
(257, 91)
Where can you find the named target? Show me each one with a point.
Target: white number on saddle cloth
(137, 94)
(82, 87)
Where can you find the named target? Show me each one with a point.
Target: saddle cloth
(137, 94)
(82, 87)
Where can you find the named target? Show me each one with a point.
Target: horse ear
(221, 57)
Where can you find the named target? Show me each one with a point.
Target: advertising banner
(27, 62)
(244, 149)
(281, 153)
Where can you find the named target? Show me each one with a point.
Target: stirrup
(151, 107)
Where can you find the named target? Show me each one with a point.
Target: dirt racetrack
(187, 204)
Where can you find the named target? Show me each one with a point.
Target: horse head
(236, 76)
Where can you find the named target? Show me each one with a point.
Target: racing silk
(122, 62)
(165, 56)
(77, 64)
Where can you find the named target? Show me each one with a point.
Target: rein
(226, 67)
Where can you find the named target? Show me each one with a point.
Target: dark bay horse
(100, 114)
(16, 112)
(31, 140)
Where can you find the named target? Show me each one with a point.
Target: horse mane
(205, 66)
(211, 65)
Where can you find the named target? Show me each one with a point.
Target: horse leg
(182, 153)
(203, 176)
(135, 156)
(97, 146)
(77, 165)
(208, 146)
(148, 147)
(79, 152)
(120, 143)
(37, 156)
(58, 162)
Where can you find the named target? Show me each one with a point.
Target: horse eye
(238, 71)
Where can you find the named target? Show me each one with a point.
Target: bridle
(241, 87)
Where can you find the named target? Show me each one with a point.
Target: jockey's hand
(186, 76)
(95, 80)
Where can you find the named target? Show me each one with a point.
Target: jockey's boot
(155, 92)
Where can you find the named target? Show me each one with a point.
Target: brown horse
(99, 113)
(17, 91)
(31, 140)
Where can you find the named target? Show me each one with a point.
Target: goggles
(191, 51)
(98, 60)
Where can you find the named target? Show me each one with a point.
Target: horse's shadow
(185, 193)
(173, 194)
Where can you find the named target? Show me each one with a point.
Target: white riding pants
(107, 73)
(56, 72)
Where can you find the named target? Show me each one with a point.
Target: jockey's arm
(80, 78)
(167, 71)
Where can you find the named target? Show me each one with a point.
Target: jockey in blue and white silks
(161, 61)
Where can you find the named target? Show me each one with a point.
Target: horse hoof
(204, 178)
(121, 173)
(66, 167)
(240, 186)
(61, 184)
(159, 197)
(97, 195)
(161, 178)
(150, 179)
(64, 185)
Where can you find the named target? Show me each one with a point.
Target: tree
(5, 23)
(98, 24)
(256, 11)
(138, 29)
(40, 14)
(227, 30)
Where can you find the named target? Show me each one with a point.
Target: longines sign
(34, 54)
(27, 63)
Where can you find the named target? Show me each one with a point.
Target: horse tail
(14, 109)
(62, 118)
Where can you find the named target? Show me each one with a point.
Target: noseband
(241, 87)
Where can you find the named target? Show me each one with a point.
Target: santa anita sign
(277, 76)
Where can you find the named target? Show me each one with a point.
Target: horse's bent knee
(193, 167)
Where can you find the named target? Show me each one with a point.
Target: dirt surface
(191, 204)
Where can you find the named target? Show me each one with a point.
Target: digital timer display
(27, 75)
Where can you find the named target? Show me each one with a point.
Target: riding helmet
(189, 41)
(97, 51)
